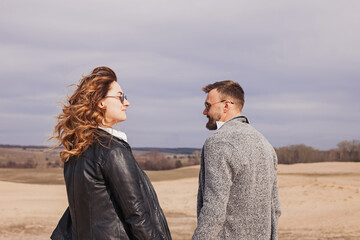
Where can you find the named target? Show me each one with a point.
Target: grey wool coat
(238, 191)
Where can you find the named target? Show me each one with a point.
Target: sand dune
(319, 201)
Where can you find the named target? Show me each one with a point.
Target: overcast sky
(298, 62)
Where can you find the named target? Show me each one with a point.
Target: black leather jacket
(110, 197)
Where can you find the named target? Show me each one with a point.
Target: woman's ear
(101, 104)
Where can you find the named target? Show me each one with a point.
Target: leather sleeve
(122, 175)
(63, 229)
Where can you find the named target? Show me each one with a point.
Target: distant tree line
(346, 151)
(187, 151)
(22, 146)
(29, 157)
(155, 160)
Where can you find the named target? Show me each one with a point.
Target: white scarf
(119, 134)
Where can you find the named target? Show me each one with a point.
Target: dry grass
(55, 175)
(175, 174)
(32, 175)
(319, 201)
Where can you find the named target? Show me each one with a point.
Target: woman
(109, 196)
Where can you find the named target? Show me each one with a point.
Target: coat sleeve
(218, 180)
(275, 204)
(121, 173)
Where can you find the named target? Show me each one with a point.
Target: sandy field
(319, 201)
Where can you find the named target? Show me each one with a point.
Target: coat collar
(241, 118)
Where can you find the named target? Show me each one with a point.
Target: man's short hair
(228, 88)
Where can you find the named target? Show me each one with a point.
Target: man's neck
(229, 116)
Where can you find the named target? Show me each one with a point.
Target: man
(238, 191)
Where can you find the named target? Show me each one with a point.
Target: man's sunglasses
(208, 105)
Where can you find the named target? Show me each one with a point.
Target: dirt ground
(319, 201)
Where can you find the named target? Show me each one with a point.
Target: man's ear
(226, 107)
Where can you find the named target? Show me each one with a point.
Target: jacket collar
(116, 133)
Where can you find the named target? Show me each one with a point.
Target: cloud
(318, 120)
(297, 61)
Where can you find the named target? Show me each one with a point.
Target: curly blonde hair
(80, 117)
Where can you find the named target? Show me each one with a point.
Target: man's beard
(211, 124)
